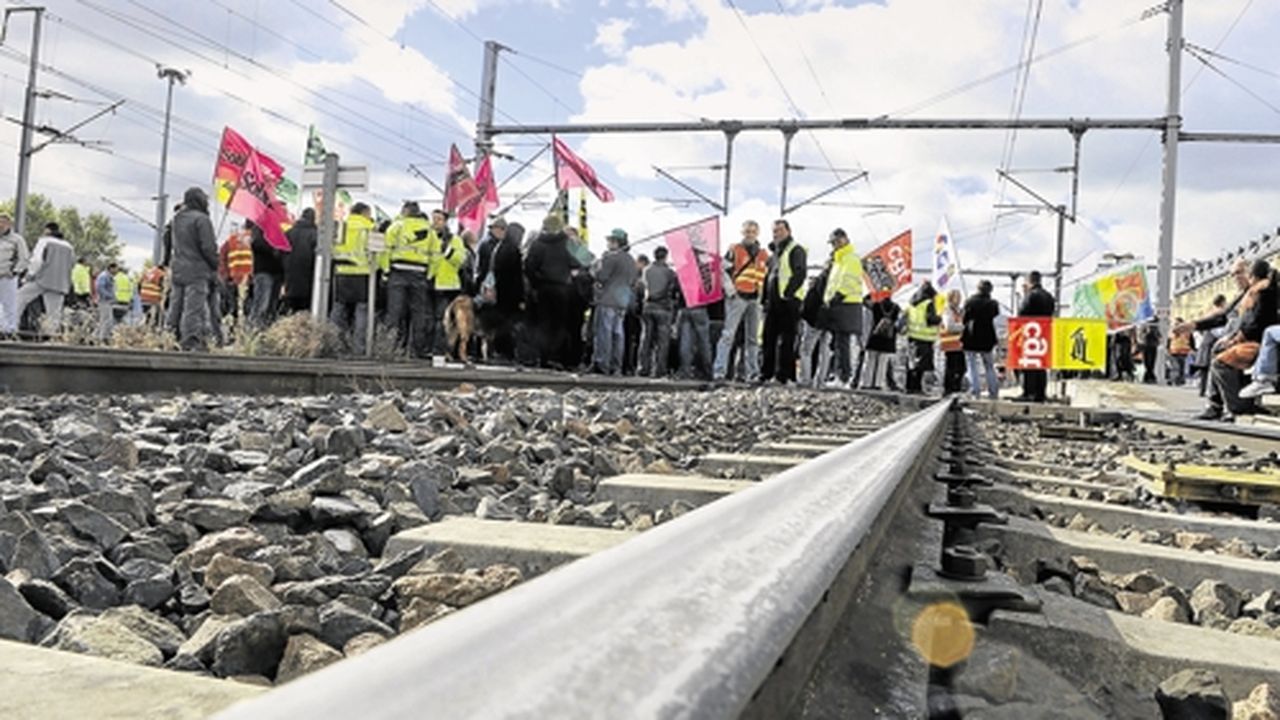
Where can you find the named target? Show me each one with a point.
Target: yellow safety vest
(350, 257)
(409, 243)
(81, 281)
(846, 277)
(918, 327)
(446, 261)
(124, 288)
(784, 271)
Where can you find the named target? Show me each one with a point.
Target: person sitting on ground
(1239, 350)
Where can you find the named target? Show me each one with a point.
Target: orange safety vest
(152, 287)
(239, 258)
(950, 340)
(748, 275)
(1180, 344)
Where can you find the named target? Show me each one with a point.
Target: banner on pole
(946, 263)
(572, 171)
(233, 154)
(460, 189)
(255, 198)
(1120, 297)
(472, 216)
(1079, 344)
(888, 267)
(695, 255)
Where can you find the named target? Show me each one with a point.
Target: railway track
(979, 561)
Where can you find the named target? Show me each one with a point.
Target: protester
(746, 267)
(499, 264)
(1122, 343)
(882, 343)
(815, 333)
(1239, 350)
(104, 286)
(14, 256)
(1037, 302)
(1266, 369)
(693, 330)
(951, 343)
(81, 297)
(195, 265)
(268, 277)
(614, 276)
(783, 284)
(922, 332)
(979, 340)
(633, 323)
(661, 288)
(351, 278)
(411, 242)
(1150, 351)
(448, 255)
(549, 266)
(299, 263)
(843, 298)
(151, 287)
(1181, 347)
(235, 274)
(584, 293)
(48, 276)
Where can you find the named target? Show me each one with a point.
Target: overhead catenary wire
(1030, 31)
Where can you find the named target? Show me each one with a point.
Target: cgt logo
(1030, 343)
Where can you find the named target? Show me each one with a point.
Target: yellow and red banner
(1042, 343)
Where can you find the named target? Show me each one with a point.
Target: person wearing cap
(501, 286)
(548, 267)
(615, 276)
(842, 299)
(410, 309)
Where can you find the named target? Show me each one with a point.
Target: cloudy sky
(393, 82)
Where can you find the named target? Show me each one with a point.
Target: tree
(92, 237)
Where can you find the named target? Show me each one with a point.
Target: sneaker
(1258, 388)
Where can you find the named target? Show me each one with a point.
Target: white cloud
(611, 36)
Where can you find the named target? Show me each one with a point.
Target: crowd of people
(541, 298)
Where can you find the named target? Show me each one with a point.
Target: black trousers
(1035, 384)
(556, 322)
(781, 320)
(953, 372)
(921, 362)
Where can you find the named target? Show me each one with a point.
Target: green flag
(287, 191)
(315, 148)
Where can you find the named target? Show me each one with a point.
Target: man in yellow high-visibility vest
(922, 332)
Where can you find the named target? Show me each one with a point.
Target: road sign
(350, 177)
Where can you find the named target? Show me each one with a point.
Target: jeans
(989, 363)
(189, 314)
(266, 292)
(781, 323)
(744, 312)
(695, 343)
(410, 311)
(609, 338)
(8, 305)
(52, 304)
(1267, 366)
(655, 343)
(814, 373)
(875, 370)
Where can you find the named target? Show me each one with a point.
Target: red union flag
(460, 189)
(572, 171)
(472, 215)
(695, 254)
(1030, 343)
(255, 198)
(888, 267)
(233, 155)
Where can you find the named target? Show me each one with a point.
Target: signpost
(329, 178)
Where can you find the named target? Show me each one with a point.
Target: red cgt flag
(460, 189)
(255, 198)
(888, 267)
(233, 155)
(572, 171)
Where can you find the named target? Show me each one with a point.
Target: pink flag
(695, 253)
(472, 216)
(460, 189)
(572, 171)
(255, 198)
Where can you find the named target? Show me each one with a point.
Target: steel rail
(35, 369)
(695, 618)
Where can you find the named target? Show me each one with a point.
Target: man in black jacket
(1037, 302)
(549, 267)
(979, 340)
(299, 264)
(195, 265)
(268, 276)
(788, 265)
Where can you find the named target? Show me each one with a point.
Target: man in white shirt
(48, 276)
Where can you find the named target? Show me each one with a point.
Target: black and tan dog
(460, 326)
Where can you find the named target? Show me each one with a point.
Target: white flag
(946, 264)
